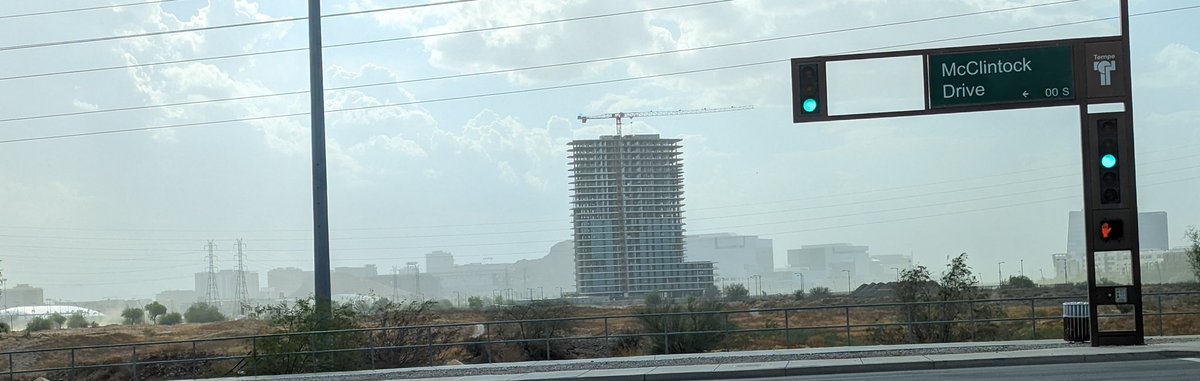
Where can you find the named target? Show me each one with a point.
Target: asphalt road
(1176, 369)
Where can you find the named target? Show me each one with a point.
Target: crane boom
(619, 116)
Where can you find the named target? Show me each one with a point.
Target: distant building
(884, 268)
(365, 271)
(439, 262)
(289, 282)
(24, 295)
(733, 256)
(627, 215)
(1152, 231)
(227, 284)
(824, 264)
(177, 300)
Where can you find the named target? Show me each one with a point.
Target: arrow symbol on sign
(1025, 94)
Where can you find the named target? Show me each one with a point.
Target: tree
(736, 291)
(171, 319)
(1193, 252)
(58, 320)
(475, 303)
(203, 313)
(155, 310)
(1020, 281)
(915, 286)
(819, 292)
(940, 307)
(133, 315)
(77, 321)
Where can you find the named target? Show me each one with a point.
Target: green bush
(172, 318)
(39, 324)
(820, 292)
(77, 321)
(284, 354)
(475, 303)
(736, 291)
(203, 313)
(798, 295)
(533, 330)
(696, 321)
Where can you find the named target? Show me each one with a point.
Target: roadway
(1171, 369)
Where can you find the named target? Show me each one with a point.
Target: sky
(448, 124)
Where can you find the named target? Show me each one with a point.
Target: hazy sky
(128, 214)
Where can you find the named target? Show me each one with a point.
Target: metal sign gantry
(1070, 72)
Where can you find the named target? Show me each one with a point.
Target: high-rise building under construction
(627, 215)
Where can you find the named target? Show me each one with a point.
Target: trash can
(1075, 322)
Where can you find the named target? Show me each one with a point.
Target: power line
(162, 127)
(215, 27)
(240, 55)
(43, 13)
(561, 64)
(513, 92)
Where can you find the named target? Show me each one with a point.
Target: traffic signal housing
(808, 91)
(1109, 157)
(1110, 160)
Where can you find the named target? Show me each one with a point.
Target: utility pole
(240, 290)
(848, 290)
(999, 274)
(210, 294)
(1022, 267)
(395, 285)
(316, 91)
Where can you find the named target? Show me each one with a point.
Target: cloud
(1177, 66)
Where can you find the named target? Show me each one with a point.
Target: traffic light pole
(1081, 72)
(1110, 193)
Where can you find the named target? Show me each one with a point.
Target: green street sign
(1000, 76)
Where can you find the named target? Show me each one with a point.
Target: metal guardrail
(251, 344)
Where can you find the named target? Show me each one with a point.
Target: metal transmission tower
(211, 295)
(620, 149)
(239, 291)
(619, 116)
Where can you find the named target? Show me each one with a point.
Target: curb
(844, 366)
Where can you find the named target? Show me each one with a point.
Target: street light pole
(847, 282)
(999, 274)
(1022, 267)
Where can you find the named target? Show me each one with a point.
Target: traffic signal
(1109, 156)
(808, 100)
(1112, 230)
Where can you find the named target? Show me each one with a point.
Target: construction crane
(645, 114)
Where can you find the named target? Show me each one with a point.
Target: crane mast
(620, 116)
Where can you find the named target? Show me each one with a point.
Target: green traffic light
(810, 105)
(1108, 161)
